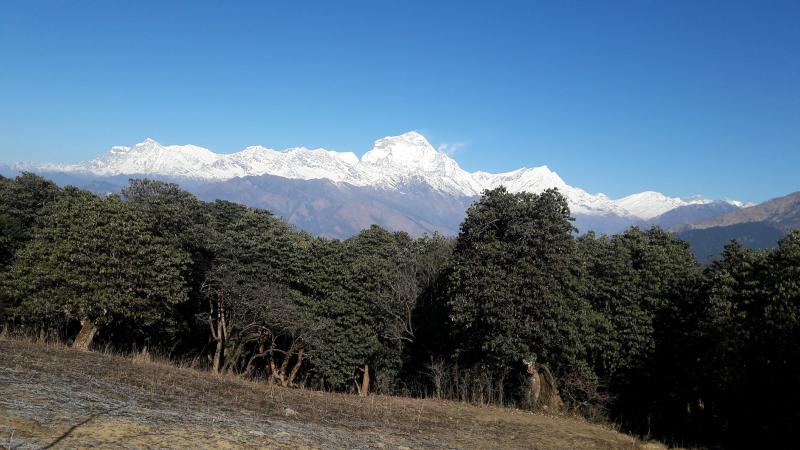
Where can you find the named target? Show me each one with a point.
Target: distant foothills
(404, 184)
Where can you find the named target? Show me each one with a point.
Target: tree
(513, 289)
(10, 239)
(349, 297)
(642, 283)
(95, 260)
(252, 278)
(255, 326)
(341, 344)
(410, 278)
(22, 201)
(382, 289)
(771, 357)
(363, 294)
(182, 220)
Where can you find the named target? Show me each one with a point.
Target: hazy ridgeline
(516, 310)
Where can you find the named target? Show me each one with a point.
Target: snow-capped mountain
(190, 161)
(394, 163)
(650, 204)
(537, 179)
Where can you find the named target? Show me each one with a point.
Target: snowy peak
(398, 161)
(649, 204)
(150, 157)
(407, 150)
(527, 179)
(394, 163)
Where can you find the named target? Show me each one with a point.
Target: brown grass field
(55, 397)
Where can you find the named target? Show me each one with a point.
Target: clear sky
(617, 97)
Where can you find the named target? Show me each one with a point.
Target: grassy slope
(52, 394)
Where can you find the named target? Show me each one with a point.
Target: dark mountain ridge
(782, 212)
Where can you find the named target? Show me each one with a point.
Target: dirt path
(54, 397)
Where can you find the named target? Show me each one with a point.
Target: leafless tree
(414, 272)
(254, 325)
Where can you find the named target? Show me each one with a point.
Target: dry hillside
(52, 396)
(783, 212)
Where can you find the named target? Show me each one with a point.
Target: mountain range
(782, 212)
(757, 226)
(394, 163)
(403, 182)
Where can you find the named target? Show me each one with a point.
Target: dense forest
(516, 310)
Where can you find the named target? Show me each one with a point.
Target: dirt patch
(53, 396)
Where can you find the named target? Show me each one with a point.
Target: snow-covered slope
(398, 161)
(649, 204)
(394, 163)
(190, 161)
(537, 179)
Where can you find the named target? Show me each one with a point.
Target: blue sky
(617, 97)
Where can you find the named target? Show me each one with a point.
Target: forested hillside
(709, 243)
(516, 310)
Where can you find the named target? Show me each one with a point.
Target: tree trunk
(85, 337)
(251, 363)
(277, 373)
(271, 376)
(218, 352)
(284, 365)
(365, 382)
(296, 368)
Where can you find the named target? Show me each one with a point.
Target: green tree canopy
(514, 285)
(22, 201)
(96, 259)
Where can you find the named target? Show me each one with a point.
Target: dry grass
(52, 394)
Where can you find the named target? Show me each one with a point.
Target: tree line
(516, 310)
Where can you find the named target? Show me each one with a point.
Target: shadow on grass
(78, 425)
